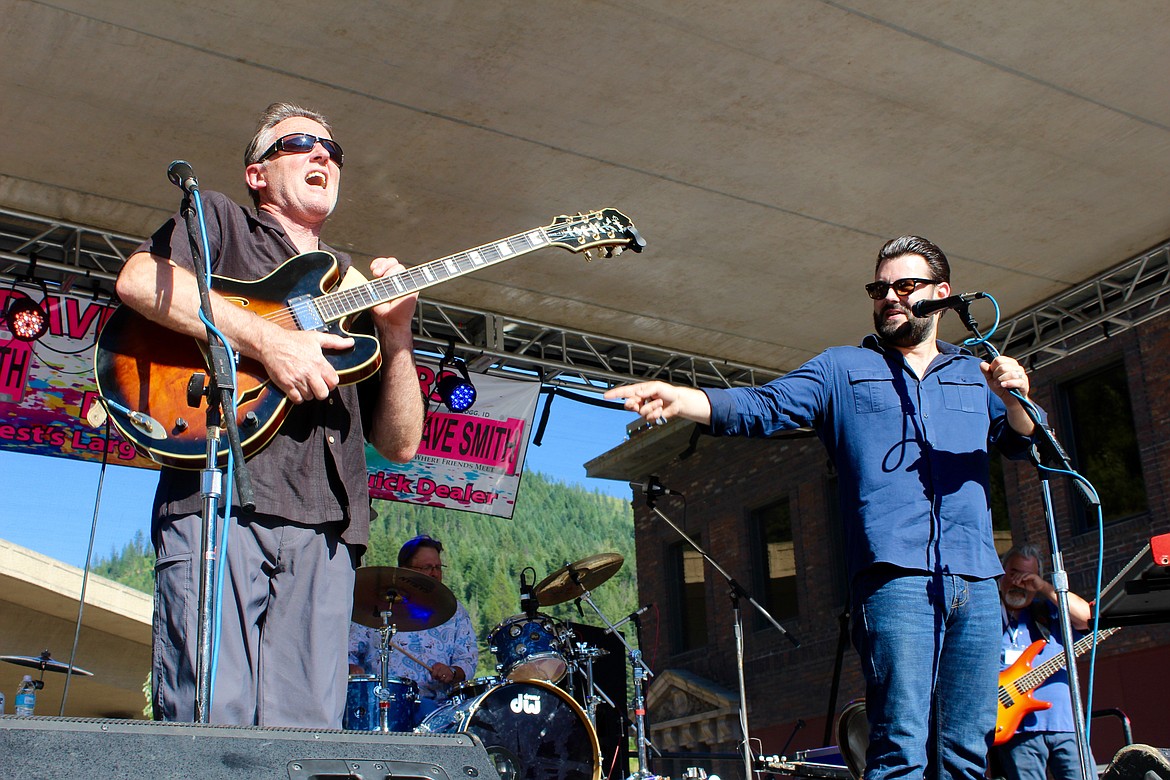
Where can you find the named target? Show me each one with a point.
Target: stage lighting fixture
(26, 319)
(458, 394)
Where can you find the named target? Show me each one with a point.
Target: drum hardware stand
(593, 690)
(382, 692)
(735, 592)
(219, 391)
(641, 672)
(1046, 449)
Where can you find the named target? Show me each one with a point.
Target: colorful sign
(470, 461)
(47, 386)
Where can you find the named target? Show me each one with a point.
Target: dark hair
(272, 116)
(940, 269)
(412, 546)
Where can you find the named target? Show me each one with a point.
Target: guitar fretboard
(1034, 678)
(337, 305)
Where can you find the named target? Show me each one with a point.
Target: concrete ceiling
(765, 149)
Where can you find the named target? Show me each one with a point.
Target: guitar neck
(343, 303)
(1034, 678)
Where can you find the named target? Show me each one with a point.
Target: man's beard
(910, 333)
(1016, 598)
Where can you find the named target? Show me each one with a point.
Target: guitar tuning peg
(588, 255)
(614, 251)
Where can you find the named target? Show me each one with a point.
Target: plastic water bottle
(26, 696)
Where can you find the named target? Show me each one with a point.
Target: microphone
(528, 602)
(628, 618)
(652, 487)
(182, 175)
(923, 308)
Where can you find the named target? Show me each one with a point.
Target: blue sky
(48, 503)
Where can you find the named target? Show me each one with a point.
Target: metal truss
(1121, 298)
(67, 256)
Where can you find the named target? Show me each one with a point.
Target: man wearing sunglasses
(907, 420)
(288, 584)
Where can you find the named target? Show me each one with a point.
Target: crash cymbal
(44, 663)
(415, 601)
(573, 579)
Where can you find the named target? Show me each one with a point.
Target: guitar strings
(341, 303)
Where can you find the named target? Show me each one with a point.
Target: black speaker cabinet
(47, 748)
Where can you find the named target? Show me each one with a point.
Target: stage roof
(764, 149)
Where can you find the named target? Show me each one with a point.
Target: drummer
(449, 648)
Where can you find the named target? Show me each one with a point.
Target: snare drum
(532, 730)
(362, 700)
(529, 648)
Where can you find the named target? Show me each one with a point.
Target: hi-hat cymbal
(414, 600)
(573, 579)
(44, 663)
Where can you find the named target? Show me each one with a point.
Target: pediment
(689, 712)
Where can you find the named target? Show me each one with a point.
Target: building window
(1103, 443)
(775, 559)
(690, 587)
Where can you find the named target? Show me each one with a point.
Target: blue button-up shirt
(911, 454)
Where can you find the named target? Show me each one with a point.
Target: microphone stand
(735, 592)
(1048, 450)
(221, 414)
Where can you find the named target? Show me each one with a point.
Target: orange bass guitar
(1020, 680)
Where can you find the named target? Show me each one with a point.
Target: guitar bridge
(305, 312)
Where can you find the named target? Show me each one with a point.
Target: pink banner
(47, 386)
(470, 461)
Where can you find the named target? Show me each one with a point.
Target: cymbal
(414, 600)
(44, 663)
(589, 572)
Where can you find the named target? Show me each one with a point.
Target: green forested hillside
(553, 524)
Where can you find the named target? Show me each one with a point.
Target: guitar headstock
(606, 228)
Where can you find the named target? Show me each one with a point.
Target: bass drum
(853, 736)
(532, 730)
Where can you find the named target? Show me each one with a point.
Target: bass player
(1046, 739)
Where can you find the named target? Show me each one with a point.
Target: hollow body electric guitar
(144, 370)
(1019, 681)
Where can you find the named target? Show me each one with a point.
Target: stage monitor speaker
(47, 748)
(610, 673)
(1139, 762)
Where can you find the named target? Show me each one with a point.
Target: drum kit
(532, 728)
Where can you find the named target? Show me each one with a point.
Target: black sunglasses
(878, 290)
(302, 143)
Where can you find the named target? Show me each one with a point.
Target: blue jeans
(929, 647)
(1031, 755)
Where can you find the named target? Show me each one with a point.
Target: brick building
(766, 511)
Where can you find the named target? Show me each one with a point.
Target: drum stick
(410, 655)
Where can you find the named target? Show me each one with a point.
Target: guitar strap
(1034, 610)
